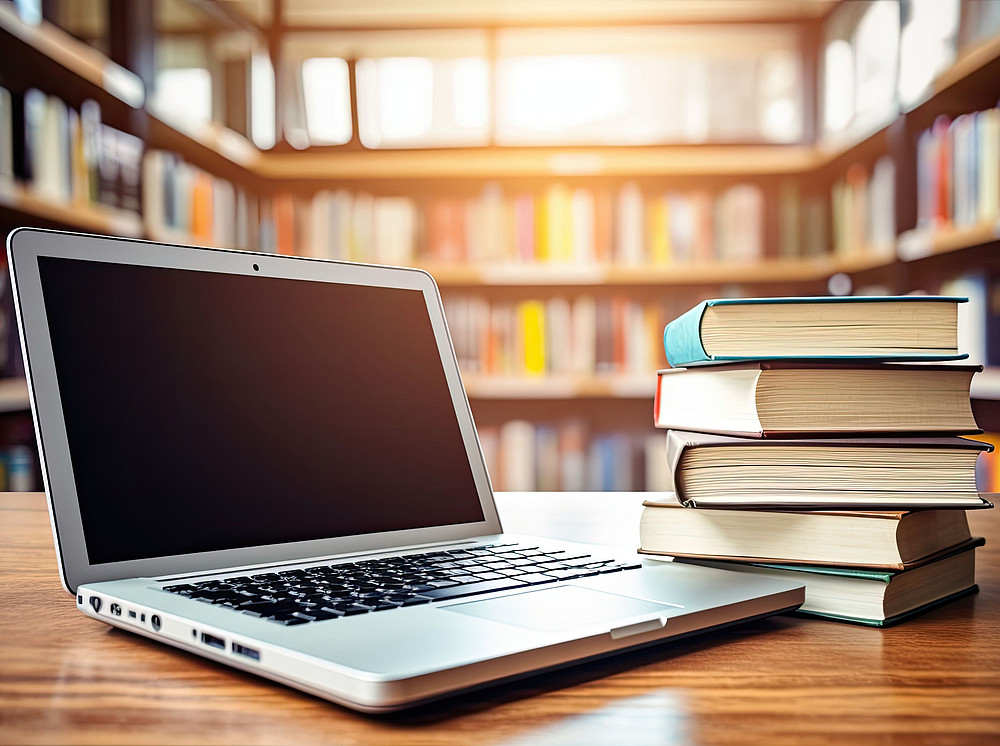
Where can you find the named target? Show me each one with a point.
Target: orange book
(604, 225)
(446, 230)
(284, 223)
(201, 208)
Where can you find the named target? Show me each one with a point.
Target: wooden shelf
(561, 387)
(503, 162)
(921, 243)
(84, 217)
(971, 62)
(80, 59)
(986, 385)
(722, 273)
(221, 141)
(14, 395)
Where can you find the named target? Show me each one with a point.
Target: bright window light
(838, 99)
(876, 47)
(406, 86)
(471, 81)
(781, 113)
(262, 107)
(327, 92)
(926, 46)
(185, 93)
(550, 94)
(423, 101)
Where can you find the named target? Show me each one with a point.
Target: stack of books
(815, 439)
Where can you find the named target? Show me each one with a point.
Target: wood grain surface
(68, 679)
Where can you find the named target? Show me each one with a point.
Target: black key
(327, 612)
(439, 594)
(179, 588)
(383, 605)
(351, 609)
(415, 601)
(289, 621)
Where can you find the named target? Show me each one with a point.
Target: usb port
(213, 641)
(244, 650)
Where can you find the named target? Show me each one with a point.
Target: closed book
(872, 597)
(872, 539)
(794, 398)
(825, 473)
(854, 327)
(6, 137)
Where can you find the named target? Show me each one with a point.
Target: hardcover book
(831, 473)
(872, 597)
(852, 327)
(795, 398)
(886, 540)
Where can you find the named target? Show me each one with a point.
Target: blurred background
(575, 174)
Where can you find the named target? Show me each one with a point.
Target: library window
(326, 91)
(423, 101)
(927, 45)
(646, 86)
(186, 93)
(262, 106)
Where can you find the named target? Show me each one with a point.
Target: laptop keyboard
(324, 592)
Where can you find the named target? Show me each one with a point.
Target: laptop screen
(208, 411)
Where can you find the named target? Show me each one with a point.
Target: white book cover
(988, 207)
(582, 209)
(584, 335)
(152, 193)
(629, 234)
(517, 449)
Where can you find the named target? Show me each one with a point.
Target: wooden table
(785, 680)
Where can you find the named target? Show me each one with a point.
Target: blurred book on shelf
(979, 319)
(863, 210)
(557, 335)
(67, 157)
(185, 204)
(958, 171)
(557, 225)
(568, 456)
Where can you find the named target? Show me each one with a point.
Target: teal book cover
(684, 346)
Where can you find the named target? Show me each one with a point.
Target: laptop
(271, 462)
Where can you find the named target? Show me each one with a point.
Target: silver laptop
(271, 462)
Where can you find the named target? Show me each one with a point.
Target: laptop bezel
(25, 245)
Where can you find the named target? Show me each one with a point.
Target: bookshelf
(915, 259)
(81, 216)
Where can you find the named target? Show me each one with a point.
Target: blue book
(905, 327)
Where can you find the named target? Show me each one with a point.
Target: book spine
(682, 339)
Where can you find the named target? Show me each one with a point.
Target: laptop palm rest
(562, 607)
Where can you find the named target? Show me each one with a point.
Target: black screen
(209, 411)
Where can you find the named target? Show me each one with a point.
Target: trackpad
(559, 608)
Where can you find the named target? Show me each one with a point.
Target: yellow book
(560, 223)
(531, 320)
(543, 236)
(659, 231)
